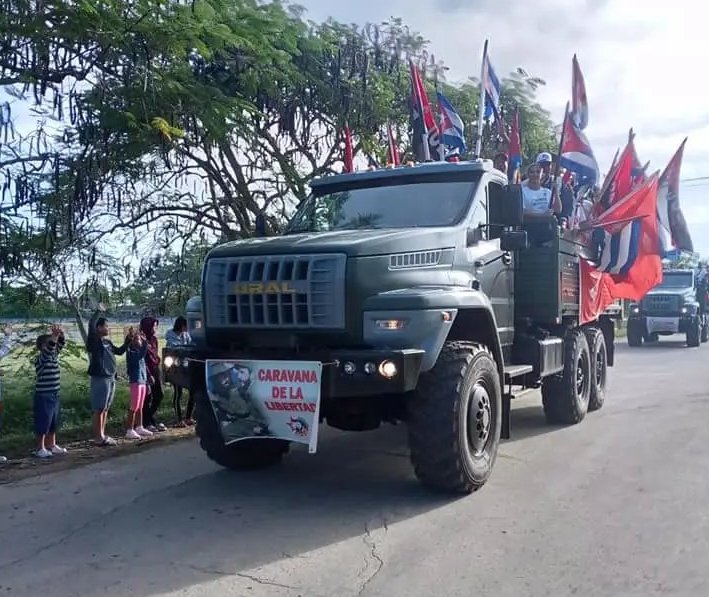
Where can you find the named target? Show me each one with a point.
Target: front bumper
(663, 324)
(345, 373)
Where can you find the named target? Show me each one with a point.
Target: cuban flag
(451, 124)
(617, 251)
(576, 153)
(579, 100)
(491, 85)
(626, 241)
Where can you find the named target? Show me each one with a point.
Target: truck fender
(471, 319)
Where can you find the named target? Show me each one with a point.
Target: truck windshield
(676, 280)
(417, 204)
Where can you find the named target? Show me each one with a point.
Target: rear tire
(455, 417)
(705, 333)
(565, 397)
(247, 454)
(599, 367)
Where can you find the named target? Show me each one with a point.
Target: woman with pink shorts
(138, 380)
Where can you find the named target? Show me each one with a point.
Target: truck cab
(414, 290)
(672, 307)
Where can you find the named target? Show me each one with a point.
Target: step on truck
(677, 305)
(420, 297)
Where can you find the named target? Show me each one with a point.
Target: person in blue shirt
(138, 382)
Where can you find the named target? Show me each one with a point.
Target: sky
(644, 65)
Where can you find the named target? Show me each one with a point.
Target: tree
(186, 121)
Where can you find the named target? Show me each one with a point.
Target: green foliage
(182, 121)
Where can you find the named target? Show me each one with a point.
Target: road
(614, 506)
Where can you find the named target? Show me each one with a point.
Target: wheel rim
(600, 368)
(582, 375)
(479, 418)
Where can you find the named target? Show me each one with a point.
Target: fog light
(178, 362)
(635, 310)
(684, 309)
(387, 369)
(369, 368)
(349, 368)
(389, 324)
(168, 362)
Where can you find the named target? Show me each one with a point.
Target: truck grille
(661, 303)
(276, 291)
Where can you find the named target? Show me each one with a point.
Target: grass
(16, 433)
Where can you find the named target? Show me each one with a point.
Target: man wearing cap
(564, 191)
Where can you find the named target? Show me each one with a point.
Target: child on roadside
(5, 350)
(46, 393)
(138, 381)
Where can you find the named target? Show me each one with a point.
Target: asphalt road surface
(617, 505)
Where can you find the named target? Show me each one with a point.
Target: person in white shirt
(539, 201)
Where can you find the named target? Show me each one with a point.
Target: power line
(695, 179)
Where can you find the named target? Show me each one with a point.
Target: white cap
(545, 156)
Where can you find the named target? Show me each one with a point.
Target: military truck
(421, 293)
(672, 307)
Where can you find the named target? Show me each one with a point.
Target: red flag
(596, 292)
(349, 155)
(425, 129)
(619, 181)
(673, 226)
(392, 148)
(514, 151)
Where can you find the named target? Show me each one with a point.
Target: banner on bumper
(266, 399)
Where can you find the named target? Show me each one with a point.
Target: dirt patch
(84, 452)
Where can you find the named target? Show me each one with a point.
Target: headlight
(635, 309)
(168, 362)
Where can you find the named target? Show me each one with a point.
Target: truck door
(492, 267)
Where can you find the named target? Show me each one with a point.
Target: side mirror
(260, 226)
(511, 209)
(473, 236)
(513, 240)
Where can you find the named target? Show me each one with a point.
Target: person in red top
(149, 326)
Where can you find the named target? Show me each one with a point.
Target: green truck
(422, 298)
(677, 305)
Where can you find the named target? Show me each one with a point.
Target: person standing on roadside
(138, 383)
(46, 393)
(5, 349)
(149, 328)
(179, 336)
(102, 374)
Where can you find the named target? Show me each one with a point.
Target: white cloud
(643, 63)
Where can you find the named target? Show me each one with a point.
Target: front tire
(565, 397)
(635, 335)
(705, 331)
(247, 454)
(694, 335)
(455, 419)
(599, 367)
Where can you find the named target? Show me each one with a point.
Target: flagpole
(481, 110)
(441, 148)
(561, 144)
